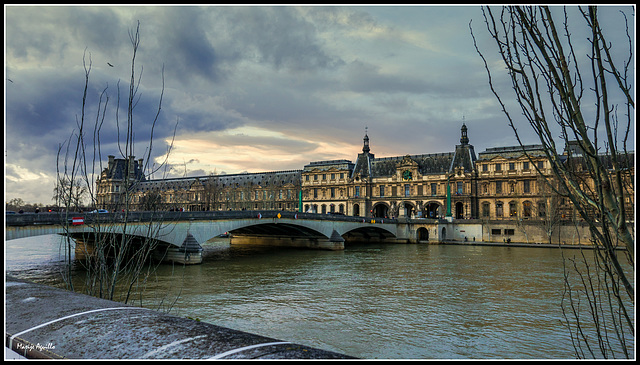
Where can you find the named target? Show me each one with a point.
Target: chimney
(132, 170)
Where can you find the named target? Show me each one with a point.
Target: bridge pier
(189, 253)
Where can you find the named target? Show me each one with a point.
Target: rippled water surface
(368, 301)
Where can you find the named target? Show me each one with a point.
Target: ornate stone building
(277, 190)
(411, 185)
(115, 180)
(499, 184)
(325, 186)
(510, 183)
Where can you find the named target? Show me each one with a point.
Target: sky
(245, 88)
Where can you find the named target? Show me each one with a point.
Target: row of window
(502, 187)
(406, 192)
(324, 176)
(527, 209)
(384, 191)
(511, 166)
(324, 209)
(485, 168)
(229, 196)
(108, 189)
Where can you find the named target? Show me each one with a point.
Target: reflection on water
(368, 301)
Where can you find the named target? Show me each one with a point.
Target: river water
(375, 301)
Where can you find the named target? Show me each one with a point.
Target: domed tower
(464, 139)
(362, 180)
(364, 160)
(365, 147)
(463, 178)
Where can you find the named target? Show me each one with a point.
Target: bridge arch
(368, 234)
(273, 229)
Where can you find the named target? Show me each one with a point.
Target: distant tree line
(18, 205)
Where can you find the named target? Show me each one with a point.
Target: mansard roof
(329, 165)
(274, 178)
(119, 167)
(434, 163)
(465, 158)
(511, 152)
(364, 165)
(437, 163)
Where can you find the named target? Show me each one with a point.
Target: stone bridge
(183, 232)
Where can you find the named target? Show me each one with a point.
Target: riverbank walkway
(521, 244)
(44, 322)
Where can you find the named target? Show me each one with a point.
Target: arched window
(459, 210)
(513, 209)
(485, 210)
(499, 209)
(542, 209)
(431, 210)
(526, 209)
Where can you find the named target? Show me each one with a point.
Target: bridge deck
(162, 216)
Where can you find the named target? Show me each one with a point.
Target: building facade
(324, 186)
(502, 183)
(278, 190)
(511, 183)
(419, 186)
(116, 181)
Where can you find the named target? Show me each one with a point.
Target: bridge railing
(168, 216)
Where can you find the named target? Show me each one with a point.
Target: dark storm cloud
(45, 113)
(197, 44)
(180, 42)
(46, 33)
(316, 75)
(193, 119)
(278, 36)
(51, 115)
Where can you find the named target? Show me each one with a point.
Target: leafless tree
(116, 265)
(587, 102)
(549, 208)
(70, 194)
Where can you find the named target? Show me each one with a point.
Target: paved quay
(51, 323)
(523, 244)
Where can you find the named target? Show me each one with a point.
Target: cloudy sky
(245, 88)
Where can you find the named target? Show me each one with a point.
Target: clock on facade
(406, 175)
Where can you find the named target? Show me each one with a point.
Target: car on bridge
(99, 211)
